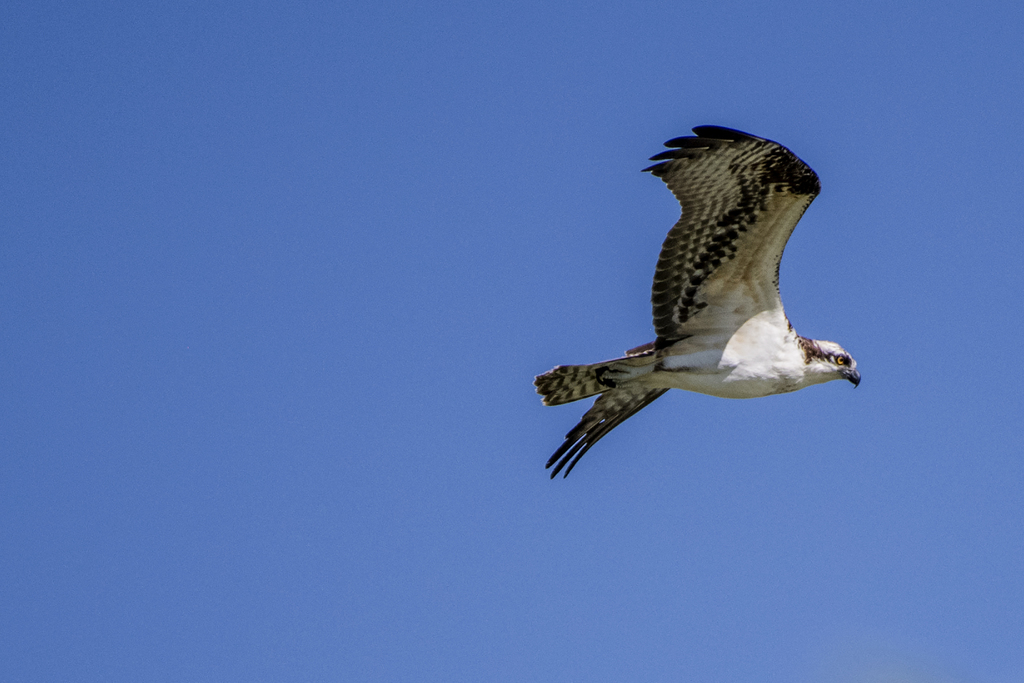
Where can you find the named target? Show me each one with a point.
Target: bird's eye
(840, 360)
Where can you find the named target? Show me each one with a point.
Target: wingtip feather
(723, 133)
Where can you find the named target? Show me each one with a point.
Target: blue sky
(276, 279)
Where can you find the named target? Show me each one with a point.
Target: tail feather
(568, 383)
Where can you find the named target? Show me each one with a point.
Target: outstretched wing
(611, 409)
(741, 197)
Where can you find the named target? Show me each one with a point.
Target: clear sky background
(276, 279)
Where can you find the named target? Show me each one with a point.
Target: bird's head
(830, 361)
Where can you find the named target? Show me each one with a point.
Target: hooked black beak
(853, 376)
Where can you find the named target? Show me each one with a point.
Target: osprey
(717, 312)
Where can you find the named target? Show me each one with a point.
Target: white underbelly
(760, 358)
(724, 384)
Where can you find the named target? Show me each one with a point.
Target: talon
(604, 381)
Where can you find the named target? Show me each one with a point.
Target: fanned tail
(611, 409)
(568, 383)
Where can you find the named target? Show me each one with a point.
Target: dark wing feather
(610, 410)
(741, 197)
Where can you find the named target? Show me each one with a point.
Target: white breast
(761, 358)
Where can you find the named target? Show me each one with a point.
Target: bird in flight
(721, 329)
